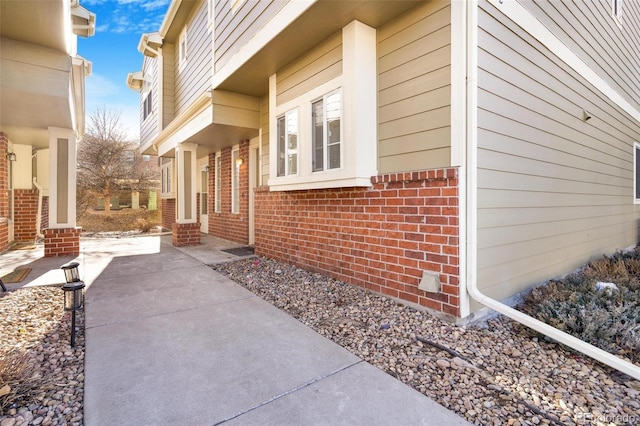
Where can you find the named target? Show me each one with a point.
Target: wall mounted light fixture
(238, 161)
(11, 156)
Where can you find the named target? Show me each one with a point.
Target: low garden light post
(73, 296)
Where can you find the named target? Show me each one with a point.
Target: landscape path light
(73, 296)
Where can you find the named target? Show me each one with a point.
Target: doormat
(240, 251)
(16, 276)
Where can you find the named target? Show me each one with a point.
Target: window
(147, 106)
(616, 10)
(167, 176)
(326, 137)
(236, 162)
(218, 187)
(287, 129)
(182, 49)
(320, 139)
(636, 172)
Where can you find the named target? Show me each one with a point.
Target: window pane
(293, 164)
(281, 146)
(317, 138)
(292, 129)
(334, 156)
(204, 203)
(334, 111)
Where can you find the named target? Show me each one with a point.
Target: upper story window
(147, 105)
(616, 10)
(182, 48)
(287, 128)
(326, 137)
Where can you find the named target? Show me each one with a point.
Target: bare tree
(107, 160)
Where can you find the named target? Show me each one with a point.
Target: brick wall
(227, 225)
(25, 211)
(44, 223)
(185, 234)
(380, 238)
(168, 206)
(4, 187)
(62, 242)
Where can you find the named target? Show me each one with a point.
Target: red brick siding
(4, 187)
(185, 234)
(380, 238)
(25, 211)
(62, 242)
(45, 214)
(227, 225)
(168, 212)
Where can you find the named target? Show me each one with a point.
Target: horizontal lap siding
(195, 77)
(591, 32)
(168, 84)
(319, 65)
(234, 29)
(414, 90)
(149, 127)
(553, 190)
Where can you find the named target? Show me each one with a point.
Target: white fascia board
(288, 14)
(528, 22)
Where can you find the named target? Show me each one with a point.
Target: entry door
(254, 181)
(204, 199)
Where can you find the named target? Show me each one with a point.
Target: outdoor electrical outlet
(430, 282)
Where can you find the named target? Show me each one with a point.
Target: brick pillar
(25, 214)
(62, 242)
(186, 234)
(4, 188)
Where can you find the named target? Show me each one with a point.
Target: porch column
(186, 230)
(62, 237)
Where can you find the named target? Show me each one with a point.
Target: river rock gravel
(33, 324)
(494, 373)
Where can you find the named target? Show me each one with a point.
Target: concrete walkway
(169, 341)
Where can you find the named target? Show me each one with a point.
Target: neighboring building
(41, 120)
(414, 148)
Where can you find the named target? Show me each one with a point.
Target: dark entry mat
(240, 251)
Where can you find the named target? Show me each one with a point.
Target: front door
(204, 199)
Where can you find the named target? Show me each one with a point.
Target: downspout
(39, 214)
(472, 212)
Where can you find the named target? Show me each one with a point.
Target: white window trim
(217, 202)
(287, 151)
(166, 170)
(235, 174)
(636, 160)
(325, 133)
(359, 115)
(183, 53)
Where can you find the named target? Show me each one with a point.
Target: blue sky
(113, 50)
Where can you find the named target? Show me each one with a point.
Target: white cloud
(100, 87)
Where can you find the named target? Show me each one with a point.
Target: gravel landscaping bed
(497, 373)
(49, 375)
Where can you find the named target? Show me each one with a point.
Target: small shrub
(608, 319)
(21, 377)
(143, 224)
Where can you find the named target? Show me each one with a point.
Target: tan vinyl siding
(194, 78)
(168, 84)
(591, 32)
(149, 127)
(414, 90)
(553, 190)
(234, 30)
(319, 65)
(264, 125)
